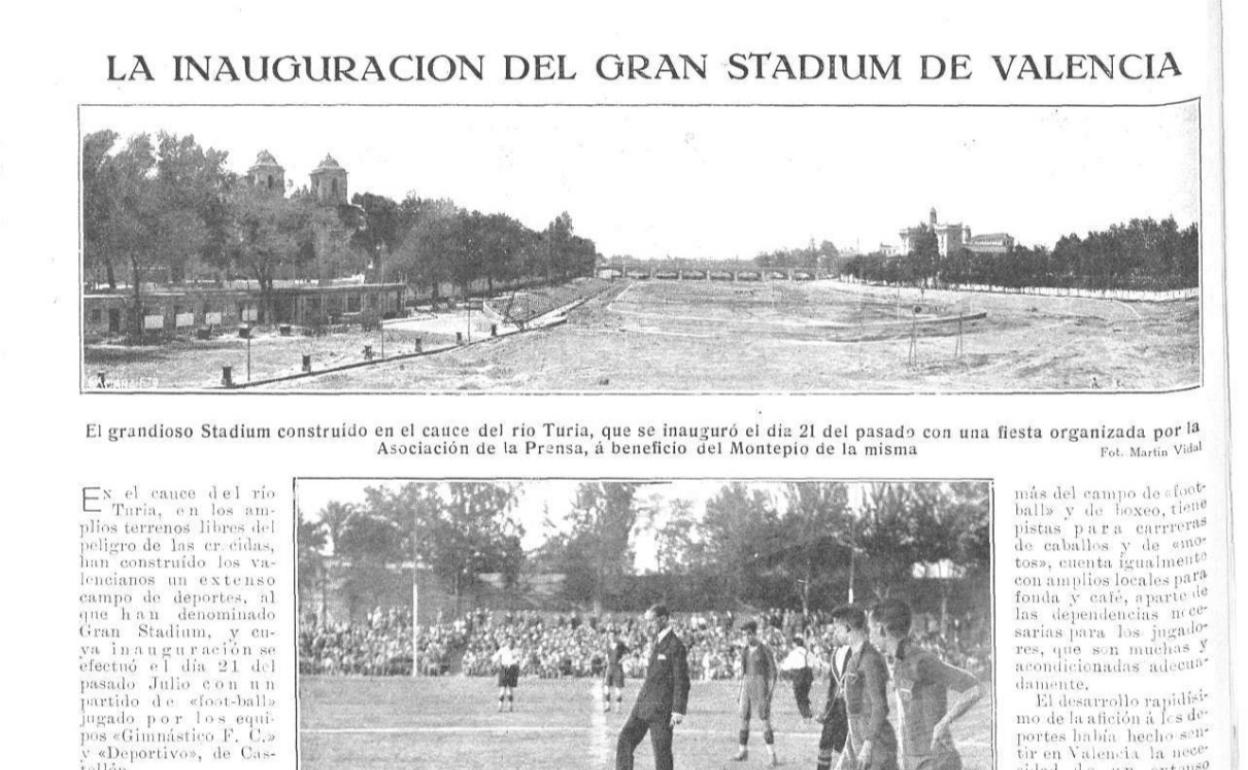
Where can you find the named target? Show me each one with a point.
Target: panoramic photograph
(652, 623)
(640, 249)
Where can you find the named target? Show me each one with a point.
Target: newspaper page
(649, 385)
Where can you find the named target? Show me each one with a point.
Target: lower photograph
(645, 623)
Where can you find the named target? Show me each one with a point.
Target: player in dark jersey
(613, 678)
(758, 683)
(923, 683)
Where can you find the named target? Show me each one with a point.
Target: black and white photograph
(656, 623)
(662, 249)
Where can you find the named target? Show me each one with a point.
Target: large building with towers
(319, 294)
(952, 237)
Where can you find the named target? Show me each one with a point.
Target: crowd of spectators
(557, 645)
(379, 645)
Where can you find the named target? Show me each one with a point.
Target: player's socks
(619, 703)
(511, 703)
(769, 738)
(500, 703)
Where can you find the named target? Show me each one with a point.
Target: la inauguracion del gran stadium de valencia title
(626, 67)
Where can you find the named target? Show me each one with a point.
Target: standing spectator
(796, 665)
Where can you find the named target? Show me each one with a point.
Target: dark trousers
(632, 733)
(802, 680)
(835, 731)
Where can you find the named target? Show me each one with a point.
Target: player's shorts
(614, 677)
(942, 760)
(754, 700)
(509, 676)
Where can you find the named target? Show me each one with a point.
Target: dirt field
(398, 723)
(648, 336)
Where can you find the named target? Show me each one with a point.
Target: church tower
(329, 182)
(267, 174)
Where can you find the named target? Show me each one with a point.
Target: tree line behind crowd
(169, 210)
(806, 545)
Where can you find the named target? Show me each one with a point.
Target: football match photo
(644, 624)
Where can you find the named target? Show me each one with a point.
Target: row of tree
(458, 531)
(804, 544)
(168, 210)
(1142, 254)
(426, 242)
(821, 257)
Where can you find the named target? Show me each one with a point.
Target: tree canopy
(167, 209)
(802, 544)
(1142, 254)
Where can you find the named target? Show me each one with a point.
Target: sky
(731, 182)
(539, 499)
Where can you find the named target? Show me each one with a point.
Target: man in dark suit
(663, 698)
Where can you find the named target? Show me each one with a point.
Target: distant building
(312, 294)
(952, 237)
(329, 182)
(990, 243)
(193, 306)
(329, 188)
(267, 174)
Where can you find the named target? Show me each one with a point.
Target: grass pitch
(388, 723)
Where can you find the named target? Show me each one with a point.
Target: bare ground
(793, 338)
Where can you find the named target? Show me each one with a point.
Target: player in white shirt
(507, 659)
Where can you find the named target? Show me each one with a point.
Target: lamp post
(853, 565)
(245, 333)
